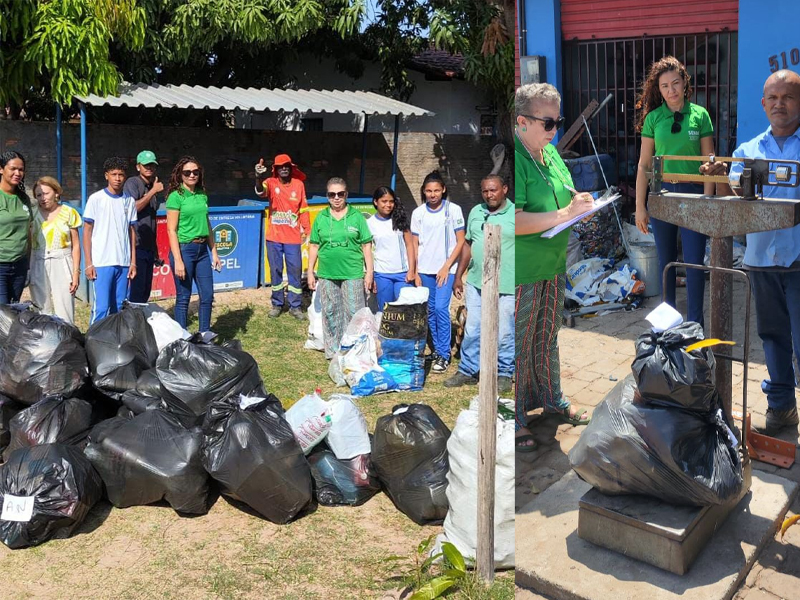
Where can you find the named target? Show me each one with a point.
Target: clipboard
(600, 203)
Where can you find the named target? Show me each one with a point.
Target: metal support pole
(394, 151)
(721, 309)
(487, 416)
(58, 144)
(363, 155)
(84, 168)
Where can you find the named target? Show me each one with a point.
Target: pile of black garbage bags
(108, 415)
(662, 431)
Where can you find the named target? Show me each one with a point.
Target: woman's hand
(642, 219)
(368, 283)
(412, 277)
(312, 281)
(580, 204)
(216, 263)
(180, 270)
(442, 275)
(76, 279)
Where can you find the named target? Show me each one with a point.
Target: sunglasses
(549, 122)
(676, 124)
(332, 195)
(191, 172)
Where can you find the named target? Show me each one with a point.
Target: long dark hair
(432, 177)
(399, 216)
(7, 157)
(651, 97)
(176, 179)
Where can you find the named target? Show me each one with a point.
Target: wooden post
(487, 420)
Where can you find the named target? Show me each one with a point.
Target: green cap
(146, 157)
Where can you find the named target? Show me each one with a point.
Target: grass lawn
(150, 552)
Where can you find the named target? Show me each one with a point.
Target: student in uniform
(438, 236)
(395, 265)
(109, 237)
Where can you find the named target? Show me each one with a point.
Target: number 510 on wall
(776, 65)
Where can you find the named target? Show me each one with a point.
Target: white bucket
(644, 259)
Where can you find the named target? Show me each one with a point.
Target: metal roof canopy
(250, 99)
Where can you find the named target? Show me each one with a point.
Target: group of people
(670, 124)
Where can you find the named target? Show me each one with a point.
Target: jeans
(471, 346)
(777, 297)
(694, 251)
(142, 284)
(439, 313)
(276, 253)
(389, 286)
(197, 261)
(12, 280)
(110, 291)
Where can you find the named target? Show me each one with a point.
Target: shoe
(503, 385)
(577, 419)
(780, 419)
(521, 443)
(460, 379)
(275, 312)
(298, 314)
(440, 365)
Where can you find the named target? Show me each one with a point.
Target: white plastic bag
(314, 339)
(166, 329)
(358, 350)
(460, 524)
(349, 435)
(310, 419)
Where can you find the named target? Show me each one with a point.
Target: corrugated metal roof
(257, 99)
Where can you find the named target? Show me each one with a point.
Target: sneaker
(503, 385)
(460, 379)
(440, 365)
(298, 314)
(780, 419)
(275, 312)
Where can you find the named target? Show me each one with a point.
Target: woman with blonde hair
(56, 252)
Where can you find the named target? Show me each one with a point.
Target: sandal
(521, 445)
(575, 419)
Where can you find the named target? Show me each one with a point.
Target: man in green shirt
(496, 210)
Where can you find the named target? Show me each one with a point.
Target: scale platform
(663, 535)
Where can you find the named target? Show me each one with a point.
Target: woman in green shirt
(190, 241)
(341, 240)
(15, 220)
(671, 125)
(542, 200)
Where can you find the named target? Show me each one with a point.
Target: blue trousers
(110, 291)
(389, 286)
(439, 313)
(197, 261)
(12, 280)
(777, 297)
(471, 346)
(291, 253)
(142, 284)
(694, 250)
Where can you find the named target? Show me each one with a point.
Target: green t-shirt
(193, 220)
(695, 126)
(504, 217)
(537, 258)
(15, 219)
(340, 253)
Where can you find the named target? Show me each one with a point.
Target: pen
(571, 190)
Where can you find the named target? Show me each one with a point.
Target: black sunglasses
(549, 122)
(333, 195)
(190, 172)
(676, 124)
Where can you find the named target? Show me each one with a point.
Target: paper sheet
(598, 204)
(663, 316)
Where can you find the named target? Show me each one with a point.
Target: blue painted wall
(766, 32)
(543, 20)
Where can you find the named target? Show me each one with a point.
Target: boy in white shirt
(109, 235)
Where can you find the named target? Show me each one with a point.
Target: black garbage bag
(9, 313)
(42, 357)
(665, 371)
(120, 348)
(410, 457)
(148, 458)
(193, 376)
(251, 451)
(148, 383)
(54, 420)
(652, 448)
(64, 487)
(8, 408)
(137, 402)
(351, 482)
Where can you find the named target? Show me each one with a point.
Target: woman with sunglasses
(543, 199)
(672, 125)
(193, 253)
(341, 240)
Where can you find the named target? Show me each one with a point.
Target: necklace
(538, 168)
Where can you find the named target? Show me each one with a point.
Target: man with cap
(288, 227)
(144, 189)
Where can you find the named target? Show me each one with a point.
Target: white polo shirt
(111, 217)
(390, 254)
(436, 231)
